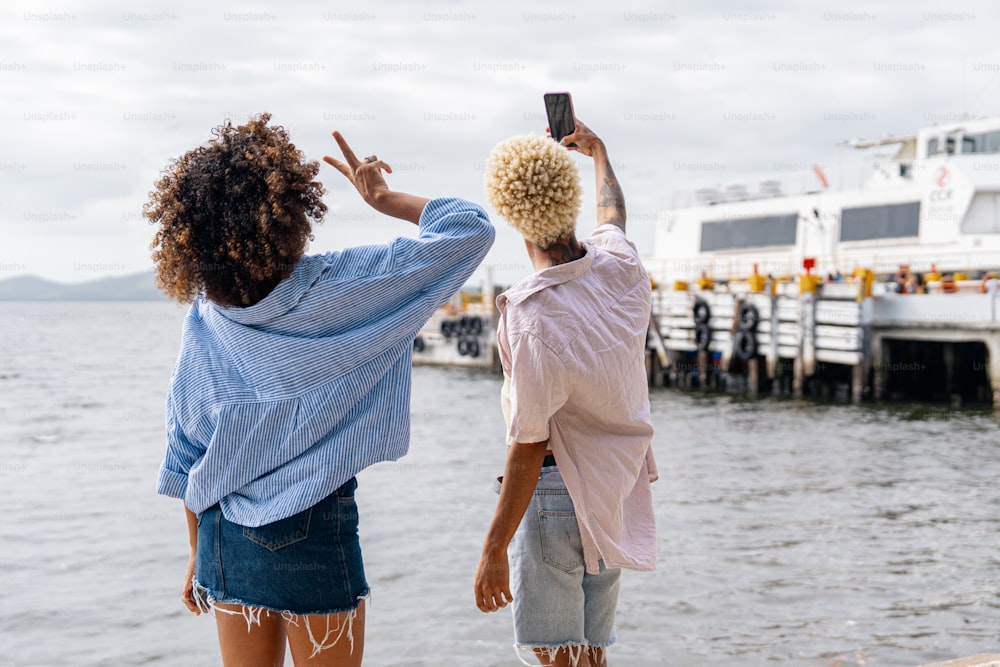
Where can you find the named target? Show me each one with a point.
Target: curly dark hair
(234, 214)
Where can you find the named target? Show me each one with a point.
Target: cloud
(98, 100)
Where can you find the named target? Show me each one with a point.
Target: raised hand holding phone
(610, 199)
(559, 110)
(583, 140)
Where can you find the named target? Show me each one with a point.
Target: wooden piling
(859, 376)
(798, 377)
(753, 376)
(704, 363)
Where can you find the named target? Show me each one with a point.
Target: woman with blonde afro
(533, 183)
(575, 504)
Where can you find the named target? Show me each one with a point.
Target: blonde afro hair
(533, 183)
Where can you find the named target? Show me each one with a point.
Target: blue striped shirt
(274, 406)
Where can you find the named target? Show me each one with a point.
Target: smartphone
(559, 109)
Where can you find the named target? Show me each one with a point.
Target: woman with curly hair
(293, 376)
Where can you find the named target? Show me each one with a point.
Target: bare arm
(610, 198)
(492, 583)
(192, 522)
(187, 590)
(366, 176)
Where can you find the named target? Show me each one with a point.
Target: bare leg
(341, 636)
(250, 637)
(560, 659)
(564, 657)
(598, 656)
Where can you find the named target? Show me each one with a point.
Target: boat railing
(938, 310)
(803, 180)
(800, 179)
(932, 260)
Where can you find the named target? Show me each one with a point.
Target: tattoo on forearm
(611, 197)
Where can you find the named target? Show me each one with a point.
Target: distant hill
(132, 287)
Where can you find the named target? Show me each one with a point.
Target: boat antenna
(821, 176)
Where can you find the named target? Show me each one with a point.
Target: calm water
(790, 533)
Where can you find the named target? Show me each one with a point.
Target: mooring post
(805, 359)
(862, 371)
(993, 363)
(858, 376)
(880, 364)
(772, 348)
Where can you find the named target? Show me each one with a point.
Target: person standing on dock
(989, 283)
(293, 376)
(575, 502)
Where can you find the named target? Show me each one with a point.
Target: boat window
(864, 223)
(949, 145)
(991, 142)
(987, 142)
(932, 147)
(983, 214)
(769, 230)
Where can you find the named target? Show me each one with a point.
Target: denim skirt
(308, 563)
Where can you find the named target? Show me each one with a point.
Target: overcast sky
(97, 100)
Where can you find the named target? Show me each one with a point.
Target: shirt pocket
(560, 540)
(281, 533)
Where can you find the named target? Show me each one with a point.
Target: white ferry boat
(935, 204)
(773, 289)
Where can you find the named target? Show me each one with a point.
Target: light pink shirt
(572, 344)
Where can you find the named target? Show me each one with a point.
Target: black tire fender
(701, 312)
(745, 345)
(749, 317)
(702, 336)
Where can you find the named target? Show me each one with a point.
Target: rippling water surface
(790, 532)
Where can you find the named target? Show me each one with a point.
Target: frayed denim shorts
(308, 563)
(556, 602)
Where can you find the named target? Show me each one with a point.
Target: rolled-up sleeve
(654, 473)
(455, 236)
(613, 239)
(181, 455)
(538, 388)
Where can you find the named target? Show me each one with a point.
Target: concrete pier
(844, 341)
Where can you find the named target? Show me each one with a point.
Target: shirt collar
(549, 277)
(283, 298)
